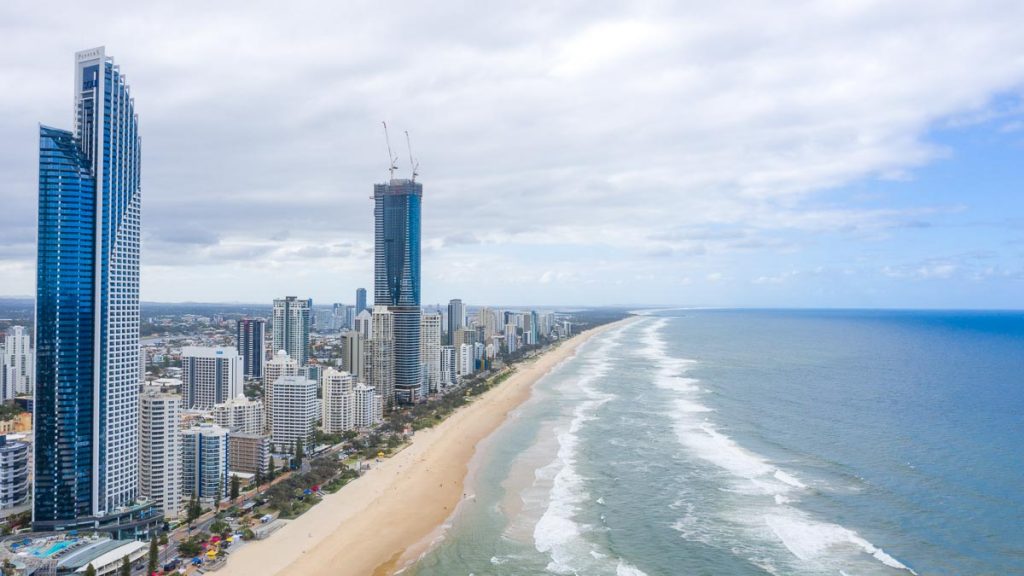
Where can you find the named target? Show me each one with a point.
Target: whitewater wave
(807, 539)
(558, 534)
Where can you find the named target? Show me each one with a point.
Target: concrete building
(511, 338)
(456, 319)
(14, 488)
(353, 354)
(240, 414)
(280, 365)
(449, 367)
(369, 409)
(467, 365)
(18, 359)
(209, 375)
(160, 449)
(291, 323)
(338, 401)
(248, 453)
(295, 410)
(381, 370)
(205, 452)
(430, 349)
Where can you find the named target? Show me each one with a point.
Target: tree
(90, 571)
(220, 492)
(194, 509)
(126, 566)
(299, 452)
(271, 471)
(236, 485)
(154, 556)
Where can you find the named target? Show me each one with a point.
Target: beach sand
(380, 522)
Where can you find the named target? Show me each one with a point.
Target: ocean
(759, 442)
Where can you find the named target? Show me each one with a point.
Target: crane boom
(391, 157)
(413, 163)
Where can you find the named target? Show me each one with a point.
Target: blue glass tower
(360, 300)
(87, 307)
(397, 277)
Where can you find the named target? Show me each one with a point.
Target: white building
(466, 363)
(449, 367)
(204, 462)
(338, 401)
(363, 324)
(209, 376)
(295, 410)
(280, 365)
(160, 449)
(353, 354)
(369, 406)
(511, 339)
(18, 358)
(239, 414)
(382, 354)
(430, 348)
(291, 323)
(14, 488)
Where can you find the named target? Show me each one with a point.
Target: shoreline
(384, 520)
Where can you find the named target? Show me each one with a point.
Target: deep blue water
(761, 442)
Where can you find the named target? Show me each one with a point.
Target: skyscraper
(252, 345)
(381, 367)
(87, 305)
(18, 357)
(397, 276)
(456, 319)
(292, 319)
(430, 346)
(204, 462)
(360, 300)
(160, 449)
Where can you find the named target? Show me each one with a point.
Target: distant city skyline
(750, 157)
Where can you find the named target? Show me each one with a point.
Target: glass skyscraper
(397, 277)
(251, 345)
(87, 307)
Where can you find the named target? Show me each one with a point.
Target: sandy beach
(368, 526)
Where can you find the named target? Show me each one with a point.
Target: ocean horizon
(759, 441)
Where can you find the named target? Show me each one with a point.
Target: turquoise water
(760, 442)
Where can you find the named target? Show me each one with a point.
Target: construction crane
(392, 159)
(415, 165)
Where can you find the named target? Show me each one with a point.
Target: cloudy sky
(857, 153)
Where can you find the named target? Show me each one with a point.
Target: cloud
(692, 131)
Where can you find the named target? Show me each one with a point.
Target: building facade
(249, 453)
(456, 319)
(353, 354)
(280, 365)
(449, 367)
(295, 412)
(19, 361)
(209, 376)
(338, 389)
(205, 452)
(381, 366)
(369, 409)
(252, 345)
(397, 277)
(242, 415)
(14, 489)
(160, 450)
(430, 349)
(291, 323)
(87, 305)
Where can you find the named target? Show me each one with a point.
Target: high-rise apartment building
(369, 406)
(295, 409)
(291, 323)
(252, 345)
(204, 462)
(338, 401)
(160, 450)
(456, 319)
(397, 277)
(449, 366)
(360, 300)
(18, 358)
(209, 376)
(353, 354)
(381, 367)
(430, 348)
(239, 414)
(14, 489)
(248, 453)
(280, 365)
(87, 306)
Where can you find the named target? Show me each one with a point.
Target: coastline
(380, 522)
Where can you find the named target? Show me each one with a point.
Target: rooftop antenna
(391, 157)
(415, 165)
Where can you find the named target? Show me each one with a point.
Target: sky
(757, 153)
